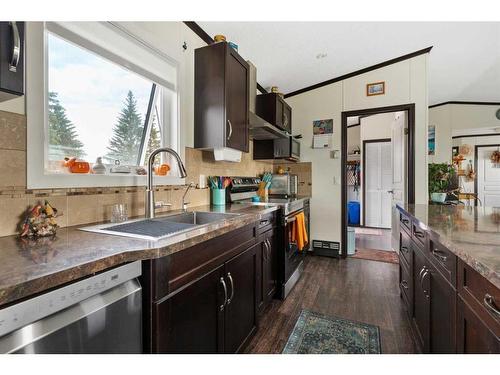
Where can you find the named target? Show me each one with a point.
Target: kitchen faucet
(184, 203)
(150, 193)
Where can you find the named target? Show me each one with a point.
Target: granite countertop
(472, 233)
(29, 267)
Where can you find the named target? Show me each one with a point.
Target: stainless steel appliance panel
(104, 324)
(99, 314)
(284, 185)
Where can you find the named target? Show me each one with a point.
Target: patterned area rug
(376, 255)
(321, 334)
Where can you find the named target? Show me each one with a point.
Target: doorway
(487, 183)
(386, 175)
(377, 183)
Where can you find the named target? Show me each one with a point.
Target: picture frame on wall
(431, 140)
(375, 88)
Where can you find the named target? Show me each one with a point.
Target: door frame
(410, 175)
(363, 179)
(476, 149)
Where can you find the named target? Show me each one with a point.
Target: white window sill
(56, 181)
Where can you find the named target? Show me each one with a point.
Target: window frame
(37, 112)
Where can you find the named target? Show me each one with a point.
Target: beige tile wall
(82, 206)
(303, 171)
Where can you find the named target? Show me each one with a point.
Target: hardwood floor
(355, 289)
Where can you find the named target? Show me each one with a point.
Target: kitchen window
(106, 94)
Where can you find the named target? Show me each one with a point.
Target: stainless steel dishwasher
(99, 314)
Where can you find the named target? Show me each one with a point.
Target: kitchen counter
(471, 233)
(28, 267)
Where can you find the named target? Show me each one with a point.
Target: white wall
(406, 82)
(376, 126)
(455, 117)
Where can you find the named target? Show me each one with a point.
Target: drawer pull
(405, 221)
(439, 256)
(404, 284)
(404, 249)
(489, 302)
(264, 222)
(419, 234)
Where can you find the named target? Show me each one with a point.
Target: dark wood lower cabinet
(421, 299)
(267, 259)
(241, 311)
(451, 306)
(191, 321)
(442, 336)
(473, 334)
(433, 306)
(206, 298)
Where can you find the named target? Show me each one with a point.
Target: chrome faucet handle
(185, 204)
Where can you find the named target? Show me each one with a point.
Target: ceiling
(464, 64)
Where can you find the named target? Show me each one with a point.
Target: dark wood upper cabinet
(11, 60)
(220, 98)
(273, 108)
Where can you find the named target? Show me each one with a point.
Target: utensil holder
(218, 197)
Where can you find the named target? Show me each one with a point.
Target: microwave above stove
(283, 149)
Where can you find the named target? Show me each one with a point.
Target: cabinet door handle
(268, 249)
(230, 130)
(439, 256)
(426, 292)
(221, 307)
(232, 287)
(404, 284)
(16, 47)
(489, 302)
(266, 252)
(405, 221)
(420, 275)
(285, 120)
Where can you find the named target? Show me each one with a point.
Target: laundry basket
(351, 241)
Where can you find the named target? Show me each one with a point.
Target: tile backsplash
(87, 205)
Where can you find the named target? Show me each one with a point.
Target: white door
(399, 162)
(488, 177)
(378, 183)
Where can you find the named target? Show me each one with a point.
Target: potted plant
(440, 175)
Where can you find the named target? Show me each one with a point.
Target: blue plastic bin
(353, 212)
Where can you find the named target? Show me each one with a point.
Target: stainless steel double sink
(161, 227)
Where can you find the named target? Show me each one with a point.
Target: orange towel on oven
(299, 231)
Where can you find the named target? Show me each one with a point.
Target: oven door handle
(292, 218)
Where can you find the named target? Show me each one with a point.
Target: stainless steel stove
(290, 259)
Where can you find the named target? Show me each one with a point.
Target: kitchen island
(450, 276)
